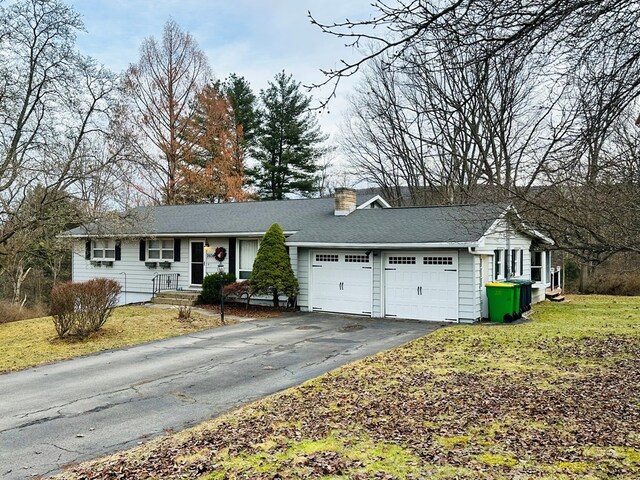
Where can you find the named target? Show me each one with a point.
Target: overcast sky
(252, 38)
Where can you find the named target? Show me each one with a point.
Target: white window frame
(541, 267)
(498, 264)
(161, 249)
(239, 258)
(515, 263)
(103, 245)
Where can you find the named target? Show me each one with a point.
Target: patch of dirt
(252, 311)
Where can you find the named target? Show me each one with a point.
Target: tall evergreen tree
(243, 101)
(289, 141)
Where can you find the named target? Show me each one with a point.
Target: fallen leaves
(451, 405)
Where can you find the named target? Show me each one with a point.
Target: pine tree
(272, 272)
(243, 102)
(289, 141)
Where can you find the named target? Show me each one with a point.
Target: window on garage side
(161, 250)
(104, 250)
(536, 266)
(497, 264)
(521, 262)
(514, 263)
(247, 251)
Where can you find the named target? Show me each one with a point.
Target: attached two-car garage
(420, 285)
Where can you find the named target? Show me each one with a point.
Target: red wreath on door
(220, 254)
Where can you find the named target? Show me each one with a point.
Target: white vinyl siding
(303, 278)
(468, 300)
(138, 275)
(377, 285)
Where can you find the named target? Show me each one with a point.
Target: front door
(197, 263)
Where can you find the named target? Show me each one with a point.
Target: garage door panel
(421, 285)
(341, 282)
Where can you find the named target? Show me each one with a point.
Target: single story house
(350, 255)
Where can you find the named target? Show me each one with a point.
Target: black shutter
(87, 250)
(232, 255)
(118, 250)
(176, 249)
(143, 250)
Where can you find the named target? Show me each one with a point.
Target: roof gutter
(170, 235)
(395, 246)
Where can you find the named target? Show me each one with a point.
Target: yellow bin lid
(500, 284)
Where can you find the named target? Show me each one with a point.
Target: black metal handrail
(165, 281)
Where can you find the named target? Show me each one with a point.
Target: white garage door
(341, 282)
(421, 285)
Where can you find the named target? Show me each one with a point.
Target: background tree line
(79, 143)
(534, 105)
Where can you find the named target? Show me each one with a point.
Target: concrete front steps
(555, 295)
(176, 297)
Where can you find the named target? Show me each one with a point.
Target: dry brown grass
(33, 342)
(12, 313)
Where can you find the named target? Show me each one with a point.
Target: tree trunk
(20, 277)
(276, 301)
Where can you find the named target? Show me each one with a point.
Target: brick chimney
(345, 201)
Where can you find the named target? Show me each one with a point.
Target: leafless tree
(553, 26)
(54, 104)
(528, 103)
(162, 87)
(447, 123)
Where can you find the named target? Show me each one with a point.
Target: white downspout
(472, 252)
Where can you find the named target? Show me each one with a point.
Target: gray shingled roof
(312, 220)
(441, 224)
(219, 218)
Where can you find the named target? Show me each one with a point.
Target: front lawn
(555, 398)
(28, 343)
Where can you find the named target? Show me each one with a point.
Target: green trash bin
(517, 306)
(502, 299)
(525, 293)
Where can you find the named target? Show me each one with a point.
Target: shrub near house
(272, 273)
(80, 309)
(211, 286)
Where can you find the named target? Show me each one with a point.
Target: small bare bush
(80, 309)
(239, 290)
(184, 313)
(63, 307)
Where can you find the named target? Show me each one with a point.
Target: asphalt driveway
(75, 410)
